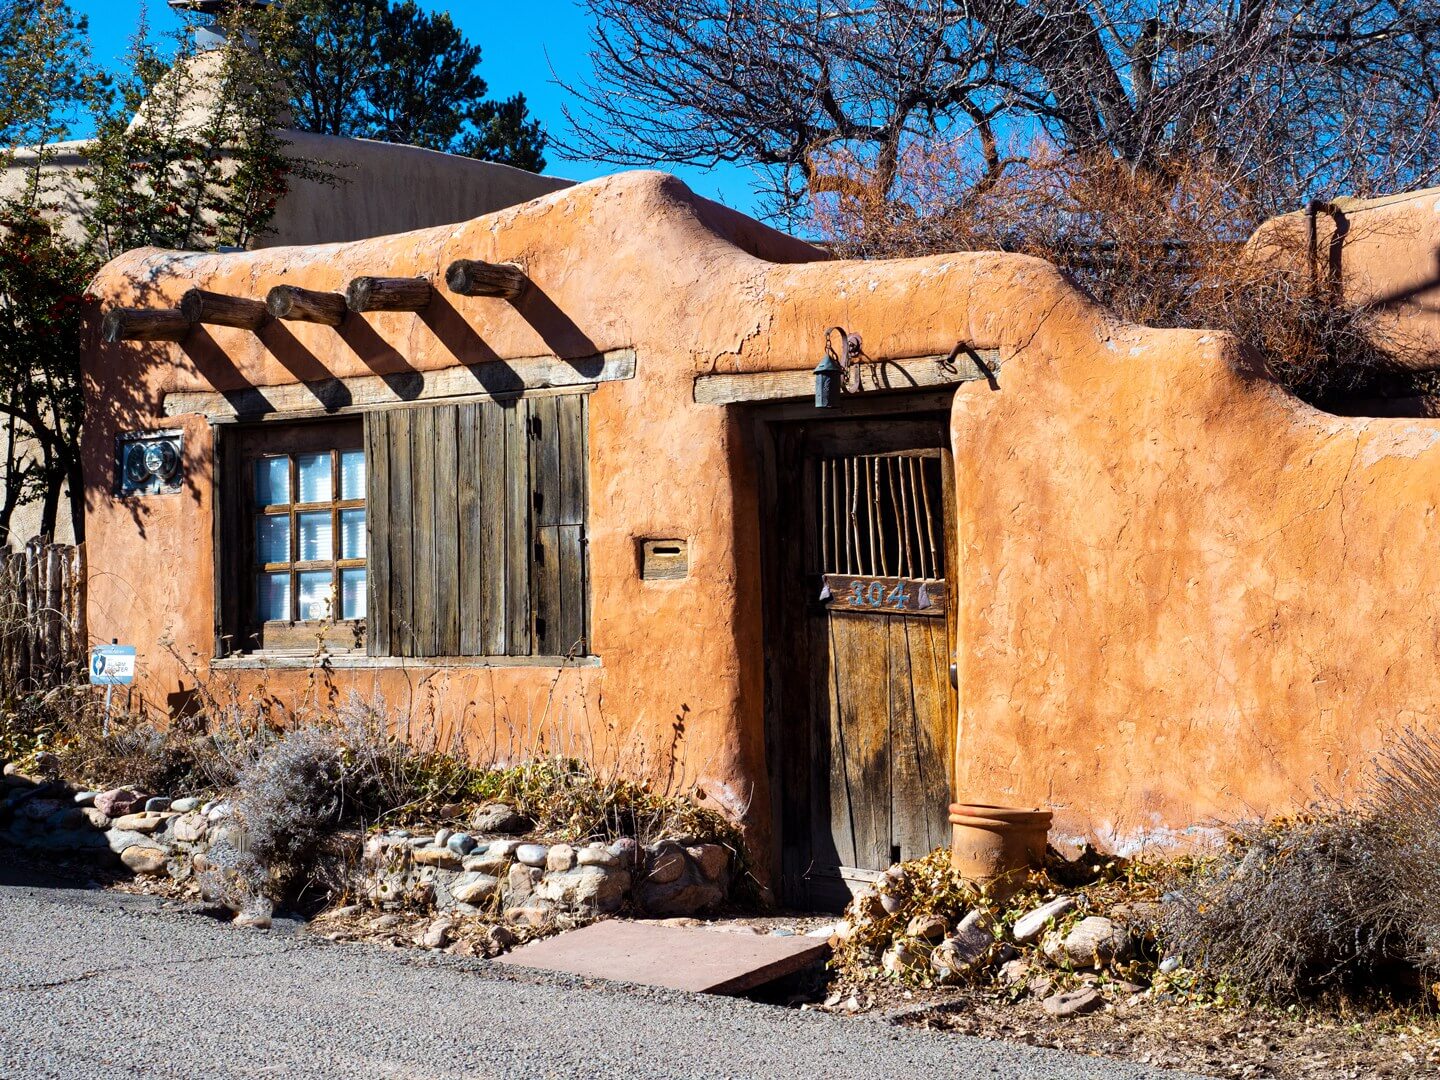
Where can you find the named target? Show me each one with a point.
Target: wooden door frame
(795, 782)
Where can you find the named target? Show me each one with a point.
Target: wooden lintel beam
(294, 304)
(218, 309)
(144, 324)
(388, 294)
(489, 379)
(910, 373)
(471, 277)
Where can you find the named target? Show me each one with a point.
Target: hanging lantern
(828, 374)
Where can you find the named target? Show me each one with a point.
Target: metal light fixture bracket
(832, 374)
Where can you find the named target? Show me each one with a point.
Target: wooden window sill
(282, 661)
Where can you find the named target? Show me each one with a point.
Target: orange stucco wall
(1182, 593)
(1383, 252)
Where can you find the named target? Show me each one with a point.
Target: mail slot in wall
(664, 560)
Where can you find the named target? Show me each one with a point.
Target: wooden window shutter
(477, 529)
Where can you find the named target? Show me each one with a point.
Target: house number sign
(883, 595)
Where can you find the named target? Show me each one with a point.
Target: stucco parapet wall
(629, 260)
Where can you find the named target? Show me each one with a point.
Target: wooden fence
(42, 617)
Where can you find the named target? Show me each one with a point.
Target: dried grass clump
(1292, 908)
(137, 753)
(569, 800)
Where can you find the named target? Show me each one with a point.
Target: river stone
(520, 884)
(146, 821)
(585, 888)
(965, 950)
(190, 828)
(902, 956)
(118, 802)
(40, 809)
(143, 859)
(560, 858)
(474, 888)
(596, 855)
(627, 850)
(85, 798)
(442, 836)
(713, 860)
(120, 839)
(498, 818)
(95, 817)
(505, 848)
(1032, 924)
(66, 817)
(1073, 1002)
(486, 862)
(684, 897)
(441, 857)
(157, 804)
(666, 864)
(925, 927)
(1093, 942)
(461, 843)
(532, 854)
(186, 805)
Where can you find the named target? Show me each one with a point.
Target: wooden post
(142, 324)
(200, 306)
(471, 277)
(305, 305)
(388, 294)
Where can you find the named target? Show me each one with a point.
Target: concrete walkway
(95, 984)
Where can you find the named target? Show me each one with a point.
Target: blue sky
(521, 44)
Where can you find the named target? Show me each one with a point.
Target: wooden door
(870, 598)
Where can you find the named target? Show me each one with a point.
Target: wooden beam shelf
(144, 324)
(218, 309)
(389, 294)
(294, 304)
(471, 277)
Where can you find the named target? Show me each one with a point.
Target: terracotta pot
(992, 844)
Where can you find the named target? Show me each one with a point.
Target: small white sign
(112, 665)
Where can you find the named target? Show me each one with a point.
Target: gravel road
(98, 984)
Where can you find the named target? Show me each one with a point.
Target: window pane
(352, 534)
(314, 474)
(352, 474)
(317, 589)
(316, 541)
(272, 538)
(274, 596)
(272, 481)
(352, 589)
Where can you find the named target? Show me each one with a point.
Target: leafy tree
(185, 153)
(383, 69)
(200, 166)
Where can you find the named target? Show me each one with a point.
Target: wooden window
(477, 517)
(292, 537)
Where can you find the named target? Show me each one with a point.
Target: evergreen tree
(382, 69)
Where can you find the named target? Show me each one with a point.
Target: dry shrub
(1340, 899)
(1292, 909)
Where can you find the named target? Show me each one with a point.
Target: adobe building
(577, 496)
